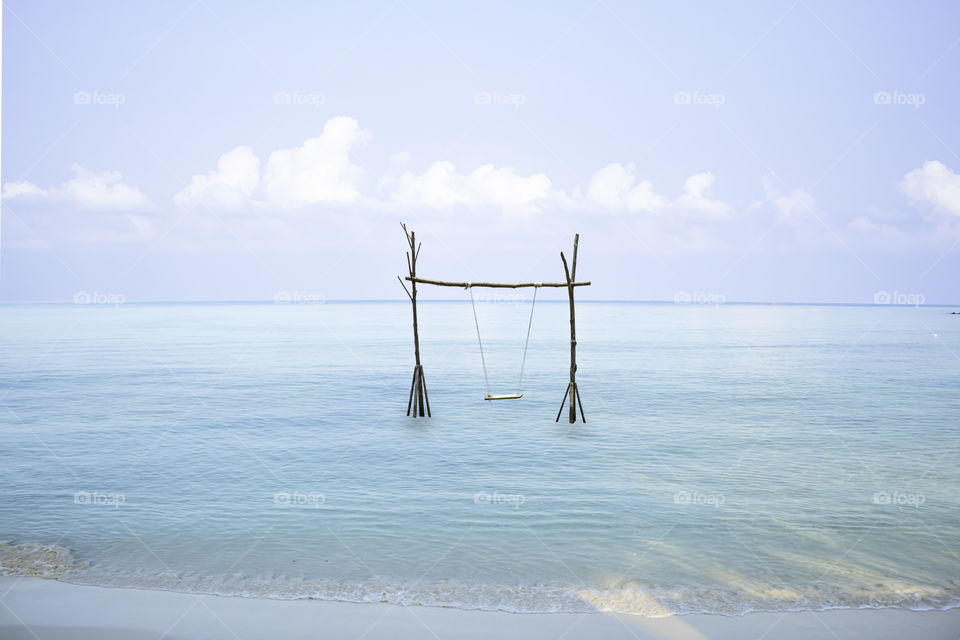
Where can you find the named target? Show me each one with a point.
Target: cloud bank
(322, 171)
(88, 190)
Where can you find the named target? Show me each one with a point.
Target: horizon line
(308, 303)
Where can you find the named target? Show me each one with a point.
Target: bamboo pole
(580, 403)
(572, 391)
(413, 382)
(418, 390)
(426, 396)
(562, 402)
(573, 346)
(495, 285)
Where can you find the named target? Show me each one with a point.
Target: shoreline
(461, 607)
(52, 610)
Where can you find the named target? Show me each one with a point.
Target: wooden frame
(418, 389)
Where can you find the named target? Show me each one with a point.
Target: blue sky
(204, 150)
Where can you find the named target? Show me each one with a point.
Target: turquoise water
(735, 458)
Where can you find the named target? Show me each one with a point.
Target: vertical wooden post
(573, 393)
(419, 402)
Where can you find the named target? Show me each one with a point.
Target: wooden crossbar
(495, 285)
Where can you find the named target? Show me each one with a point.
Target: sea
(733, 457)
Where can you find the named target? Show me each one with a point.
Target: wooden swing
(420, 401)
(523, 360)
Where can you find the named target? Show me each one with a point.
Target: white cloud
(616, 187)
(320, 170)
(864, 224)
(936, 184)
(103, 191)
(696, 195)
(873, 230)
(230, 186)
(23, 189)
(441, 186)
(791, 207)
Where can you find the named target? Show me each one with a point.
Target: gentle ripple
(736, 458)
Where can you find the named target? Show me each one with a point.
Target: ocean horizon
(521, 299)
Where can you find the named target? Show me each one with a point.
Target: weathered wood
(413, 392)
(573, 344)
(413, 383)
(570, 273)
(417, 389)
(404, 287)
(495, 285)
(426, 396)
(413, 285)
(580, 403)
(573, 267)
(423, 404)
(563, 402)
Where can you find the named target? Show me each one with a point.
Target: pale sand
(49, 610)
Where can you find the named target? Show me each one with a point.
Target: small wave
(54, 561)
(37, 560)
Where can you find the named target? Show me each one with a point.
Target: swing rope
(526, 342)
(479, 341)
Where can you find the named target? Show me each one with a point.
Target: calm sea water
(735, 457)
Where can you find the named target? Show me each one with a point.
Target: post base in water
(573, 392)
(418, 393)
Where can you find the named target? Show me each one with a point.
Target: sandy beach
(35, 608)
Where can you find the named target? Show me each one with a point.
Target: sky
(194, 150)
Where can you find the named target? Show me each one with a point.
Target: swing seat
(483, 360)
